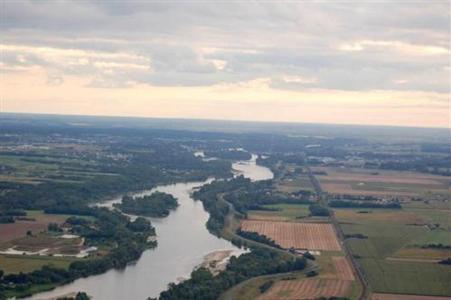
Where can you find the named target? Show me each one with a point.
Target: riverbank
(216, 261)
(184, 243)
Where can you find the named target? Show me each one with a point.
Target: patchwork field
(307, 289)
(393, 250)
(380, 182)
(297, 235)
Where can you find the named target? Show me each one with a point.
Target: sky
(371, 63)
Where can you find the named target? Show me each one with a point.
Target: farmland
(36, 222)
(343, 269)
(307, 289)
(391, 252)
(353, 181)
(296, 235)
(280, 212)
(14, 264)
(294, 179)
(407, 277)
(377, 296)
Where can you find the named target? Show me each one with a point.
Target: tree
(81, 296)
(54, 227)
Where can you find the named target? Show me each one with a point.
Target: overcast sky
(323, 62)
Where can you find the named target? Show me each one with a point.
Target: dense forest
(155, 205)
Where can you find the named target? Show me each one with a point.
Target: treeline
(318, 211)
(434, 165)
(229, 154)
(9, 216)
(127, 239)
(243, 194)
(356, 204)
(203, 285)
(355, 197)
(439, 246)
(157, 204)
(253, 195)
(260, 238)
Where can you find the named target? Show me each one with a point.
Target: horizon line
(223, 120)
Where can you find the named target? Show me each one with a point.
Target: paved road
(365, 293)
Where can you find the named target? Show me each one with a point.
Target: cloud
(291, 47)
(404, 48)
(186, 44)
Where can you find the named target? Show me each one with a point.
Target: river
(183, 242)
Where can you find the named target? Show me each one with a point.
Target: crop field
(19, 228)
(280, 212)
(342, 267)
(416, 253)
(380, 182)
(379, 215)
(402, 237)
(377, 296)
(298, 235)
(41, 241)
(307, 289)
(391, 254)
(295, 184)
(14, 264)
(36, 169)
(407, 277)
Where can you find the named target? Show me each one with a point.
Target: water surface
(183, 242)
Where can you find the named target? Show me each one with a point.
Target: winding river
(183, 243)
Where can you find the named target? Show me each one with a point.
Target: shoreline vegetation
(223, 199)
(126, 239)
(157, 205)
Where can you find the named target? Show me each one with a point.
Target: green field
(284, 211)
(389, 238)
(14, 264)
(37, 169)
(407, 277)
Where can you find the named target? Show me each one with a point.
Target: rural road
(365, 293)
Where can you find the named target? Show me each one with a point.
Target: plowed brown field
(307, 289)
(297, 235)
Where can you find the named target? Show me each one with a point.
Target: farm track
(365, 292)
